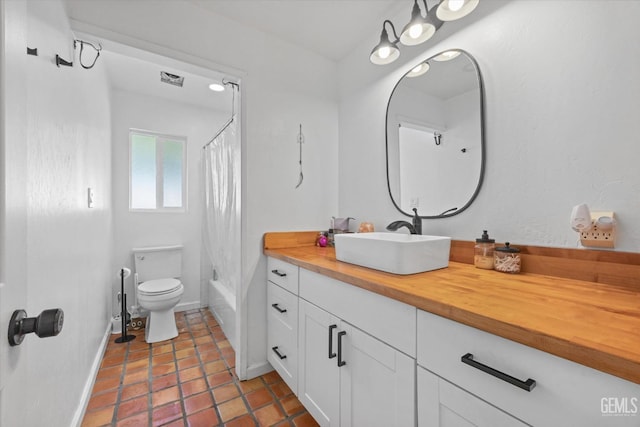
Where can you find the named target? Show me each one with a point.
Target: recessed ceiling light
(216, 87)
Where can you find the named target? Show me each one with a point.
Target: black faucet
(417, 221)
(415, 228)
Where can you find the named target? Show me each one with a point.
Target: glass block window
(157, 177)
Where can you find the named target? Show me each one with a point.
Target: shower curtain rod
(226, 125)
(234, 87)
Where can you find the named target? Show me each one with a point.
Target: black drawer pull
(527, 385)
(331, 353)
(340, 361)
(281, 310)
(278, 273)
(281, 356)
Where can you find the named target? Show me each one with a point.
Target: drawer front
(282, 353)
(565, 393)
(282, 333)
(388, 320)
(282, 307)
(283, 274)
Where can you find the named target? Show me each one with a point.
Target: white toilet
(158, 289)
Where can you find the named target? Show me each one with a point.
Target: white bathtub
(222, 304)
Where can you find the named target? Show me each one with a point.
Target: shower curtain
(221, 169)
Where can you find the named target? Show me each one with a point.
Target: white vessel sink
(397, 253)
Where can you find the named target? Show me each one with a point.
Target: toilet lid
(158, 286)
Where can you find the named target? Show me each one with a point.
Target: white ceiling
(331, 28)
(133, 72)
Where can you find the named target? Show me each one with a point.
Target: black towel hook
(60, 61)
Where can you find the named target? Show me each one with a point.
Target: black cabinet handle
(281, 310)
(527, 385)
(331, 353)
(278, 273)
(340, 361)
(281, 356)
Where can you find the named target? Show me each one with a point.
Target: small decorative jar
(507, 259)
(365, 227)
(483, 252)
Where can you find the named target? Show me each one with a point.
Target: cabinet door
(442, 404)
(377, 383)
(318, 373)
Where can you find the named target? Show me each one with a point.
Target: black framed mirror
(435, 136)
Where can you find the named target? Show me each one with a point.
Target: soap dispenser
(483, 252)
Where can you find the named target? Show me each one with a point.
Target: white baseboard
(186, 306)
(93, 373)
(254, 371)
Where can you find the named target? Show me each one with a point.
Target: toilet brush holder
(124, 337)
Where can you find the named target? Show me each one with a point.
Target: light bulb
(450, 10)
(415, 31)
(216, 87)
(384, 52)
(455, 5)
(417, 69)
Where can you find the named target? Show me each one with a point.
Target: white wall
(139, 229)
(561, 120)
(68, 245)
(282, 86)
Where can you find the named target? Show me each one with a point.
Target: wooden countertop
(594, 324)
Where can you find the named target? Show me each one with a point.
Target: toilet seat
(159, 286)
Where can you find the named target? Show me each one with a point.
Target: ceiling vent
(172, 79)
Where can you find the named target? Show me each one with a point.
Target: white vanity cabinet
(529, 385)
(282, 320)
(357, 358)
(349, 378)
(352, 362)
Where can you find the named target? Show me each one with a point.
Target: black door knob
(47, 324)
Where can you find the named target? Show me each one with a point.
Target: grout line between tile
(200, 316)
(228, 369)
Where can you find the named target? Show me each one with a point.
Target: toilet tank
(160, 262)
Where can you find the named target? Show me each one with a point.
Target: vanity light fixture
(419, 70)
(386, 51)
(420, 27)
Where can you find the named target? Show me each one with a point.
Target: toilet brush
(124, 272)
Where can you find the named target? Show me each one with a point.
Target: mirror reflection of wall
(434, 137)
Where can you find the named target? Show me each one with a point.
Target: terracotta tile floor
(187, 381)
